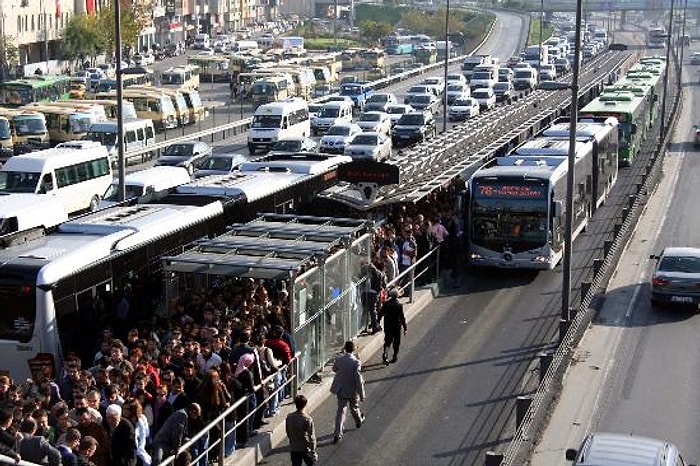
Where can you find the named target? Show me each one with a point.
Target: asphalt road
(656, 387)
(449, 398)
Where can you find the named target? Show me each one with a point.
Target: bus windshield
(263, 88)
(172, 78)
(131, 191)
(106, 139)
(5, 129)
(79, 123)
(267, 121)
(17, 317)
(509, 214)
(29, 124)
(16, 95)
(19, 182)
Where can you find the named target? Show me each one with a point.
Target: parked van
(245, 46)
(138, 134)
(24, 211)
(144, 182)
(64, 123)
(330, 114)
(110, 106)
(201, 41)
(603, 449)
(77, 175)
(178, 101)
(29, 131)
(194, 104)
(150, 105)
(277, 120)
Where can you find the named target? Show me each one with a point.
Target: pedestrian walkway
(274, 434)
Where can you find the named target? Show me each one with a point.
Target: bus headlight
(540, 259)
(475, 256)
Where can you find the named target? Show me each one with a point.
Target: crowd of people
(144, 387)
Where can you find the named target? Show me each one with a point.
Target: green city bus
(633, 115)
(45, 88)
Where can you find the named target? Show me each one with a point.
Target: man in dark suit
(172, 435)
(35, 448)
(394, 322)
(349, 386)
(122, 437)
(69, 446)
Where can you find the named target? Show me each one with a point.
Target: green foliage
(81, 38)
(372, 31)
(534, 37)
(9, 53)
(130, 28)
(432, 23)
(380, 13)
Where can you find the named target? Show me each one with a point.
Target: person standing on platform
(349, 386)
(301, 434)
(394, 322)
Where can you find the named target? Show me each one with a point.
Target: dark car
(505, 92)
(676, 279)
(185, 154)
(413, 127)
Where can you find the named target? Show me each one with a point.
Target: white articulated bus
(278, 120)
(77, 175)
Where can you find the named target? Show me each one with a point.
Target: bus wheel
(251, 149)
(94, 202)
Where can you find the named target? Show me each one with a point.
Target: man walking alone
(349, 386)
(394, 320)
(302, 437)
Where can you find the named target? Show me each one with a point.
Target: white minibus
(278, 120)
(23, 211)
(139, 133)
(76, 174)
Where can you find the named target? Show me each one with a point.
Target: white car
(337, 137)
(456, 78)
(548, 72)
(486, 98)
(397, 111)
(380, 101)
(437, 82)
(369, 146)
(457, 91)
(377, 122)
(463, 109)
(419, 89)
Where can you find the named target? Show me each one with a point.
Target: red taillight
(659, 281)
(25, 290)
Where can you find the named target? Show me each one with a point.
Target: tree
(9, 55)
(81, 38)
(130, 27)
(372, 31)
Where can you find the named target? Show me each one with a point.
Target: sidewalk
(577, 410)
(274, 433)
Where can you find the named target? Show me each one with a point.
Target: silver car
(676, 279)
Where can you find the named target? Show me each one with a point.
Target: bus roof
(57, 156)
(588, 128)
(91, 238)
(613, 103)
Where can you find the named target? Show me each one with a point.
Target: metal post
(680, 71)
(120, 115)
(447, 58)
(539, 51)
(335, 27)
(568, 235)
(668, 65)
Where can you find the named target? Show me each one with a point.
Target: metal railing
(216, 447)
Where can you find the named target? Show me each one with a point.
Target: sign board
(368, 171)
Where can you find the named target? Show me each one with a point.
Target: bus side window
(130, 136)
(139, 134)
(149, 133)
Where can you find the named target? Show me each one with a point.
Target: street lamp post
(539, 51)
(120, 115)
(445, 67)
(668, 64)
(680, 71)
(568, 235)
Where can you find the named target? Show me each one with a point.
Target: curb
(275, 434)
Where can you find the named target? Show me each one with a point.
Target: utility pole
(668, 64)
(120, 114)
(447, 60)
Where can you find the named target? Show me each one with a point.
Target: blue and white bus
(398, 45)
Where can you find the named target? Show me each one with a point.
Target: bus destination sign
(509, 190)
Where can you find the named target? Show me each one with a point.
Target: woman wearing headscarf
(245, 377)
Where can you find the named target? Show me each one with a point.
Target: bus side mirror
(571, 454)
(558, 209)
(633, 129)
